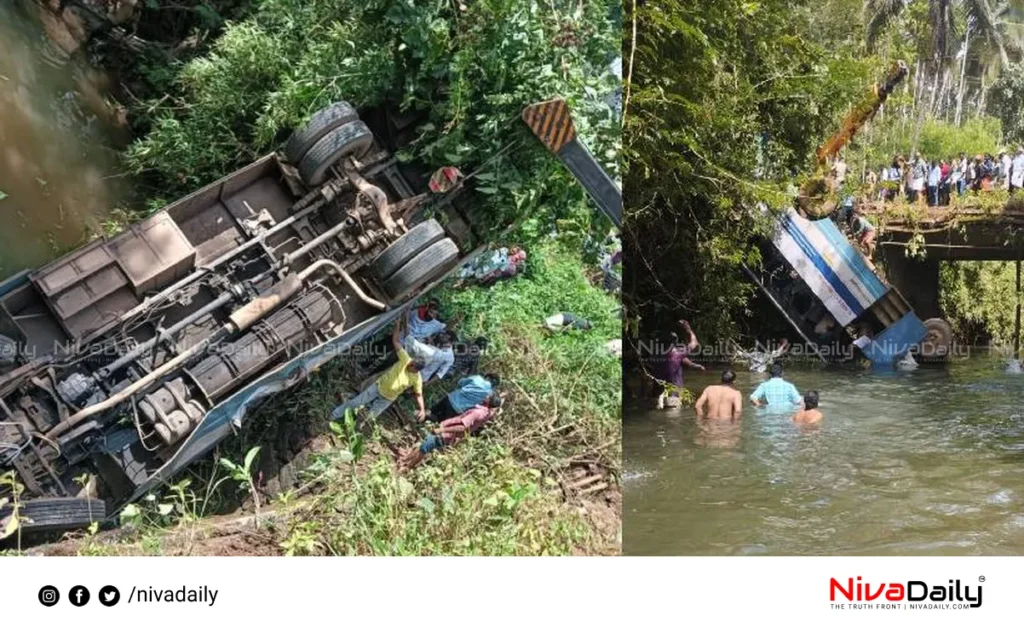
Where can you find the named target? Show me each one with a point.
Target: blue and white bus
(830, 293)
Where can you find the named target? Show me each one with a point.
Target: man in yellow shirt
(403, 375)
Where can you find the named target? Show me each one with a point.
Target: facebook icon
(79, 595)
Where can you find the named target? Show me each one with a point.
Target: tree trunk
(940, 108)
(922, 112)
(983, 92)
(963, 77)
(948, 101)
(918, 85)
(935, 86)
(915, 102)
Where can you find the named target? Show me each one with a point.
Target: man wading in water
(722, 402)
(668, 370)
(775, 390)
(810, 414)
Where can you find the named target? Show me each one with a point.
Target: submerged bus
(828, 291)
(826, 288)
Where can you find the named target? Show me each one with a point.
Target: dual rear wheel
(412, 261)
(331, 135)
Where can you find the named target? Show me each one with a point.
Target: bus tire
(351, 139)
(405, 248)
(322, 122)
(428, 265)
(58, 514)
(938, 340)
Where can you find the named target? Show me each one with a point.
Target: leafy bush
(473, 68)
(476, 500)
(980, 299)
(939, 140)
(1007, 102)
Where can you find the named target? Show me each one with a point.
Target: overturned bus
(829, 293)
(131, 357)
(823, 286)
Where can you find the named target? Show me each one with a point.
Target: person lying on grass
(452, 431)
(423, 321)
(437, 355)
(469, 392)
(402, 376)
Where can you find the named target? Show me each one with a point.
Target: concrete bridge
(949, 234)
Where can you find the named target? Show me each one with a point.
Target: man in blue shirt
(775, 390)
(470, 392)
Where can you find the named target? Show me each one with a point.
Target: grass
(505, 492)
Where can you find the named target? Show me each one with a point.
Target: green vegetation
(980, 300)
(738, 123)
(1007, 102)
(938, 139)
(473, 67)
(11, 526)
(242, 473)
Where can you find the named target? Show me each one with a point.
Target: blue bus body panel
(832, 268)
(852, 259)
(841, 278)
(894, 341)
(12, 282)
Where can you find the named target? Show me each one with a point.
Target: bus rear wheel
(429, 265)
(938, 339)
(325, 120)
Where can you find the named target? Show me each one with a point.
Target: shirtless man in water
(723, 402)
(810, 414)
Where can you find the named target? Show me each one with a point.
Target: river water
(929, 462)
(56, 158)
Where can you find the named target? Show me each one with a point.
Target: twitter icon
(109, 596)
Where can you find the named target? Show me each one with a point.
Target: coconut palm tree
(969, 41)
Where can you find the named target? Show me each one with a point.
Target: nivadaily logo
(913, 594)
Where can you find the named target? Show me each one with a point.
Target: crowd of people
(723, 401)
(933, 181)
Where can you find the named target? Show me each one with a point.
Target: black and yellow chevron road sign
(551, 122)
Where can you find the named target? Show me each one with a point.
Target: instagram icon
(49, 596)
